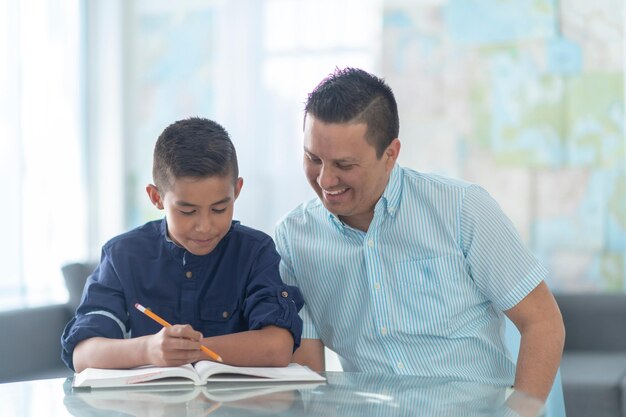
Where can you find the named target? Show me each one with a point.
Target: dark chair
(75, 275)
(594, 359)
(30, 347)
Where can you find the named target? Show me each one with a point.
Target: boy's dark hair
(351, 95)
(193, 147)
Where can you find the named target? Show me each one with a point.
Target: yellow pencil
(164, 323)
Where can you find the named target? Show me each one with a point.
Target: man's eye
(313, 159)
(345, 167)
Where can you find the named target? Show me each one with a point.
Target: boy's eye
(221, 210)
(187, 213)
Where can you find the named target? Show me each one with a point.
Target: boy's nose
(203, 224)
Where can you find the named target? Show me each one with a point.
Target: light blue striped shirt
(423, 290)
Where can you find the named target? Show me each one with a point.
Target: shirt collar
(390, 198)
(393, 191)
(336, 221)
(181, 253)
(177, 251)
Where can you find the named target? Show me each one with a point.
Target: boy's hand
(174, 346)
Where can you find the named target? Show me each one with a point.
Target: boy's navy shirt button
(189, 274)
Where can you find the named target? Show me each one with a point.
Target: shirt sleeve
(101, 313)
(499, 262)
(269, 301)
(289, 277)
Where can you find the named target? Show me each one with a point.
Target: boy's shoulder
(242, 231)
(145, 235)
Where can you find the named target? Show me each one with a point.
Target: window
(44, 206)
(249, 65)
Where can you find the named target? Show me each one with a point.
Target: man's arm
(539, 321)
(311, 354)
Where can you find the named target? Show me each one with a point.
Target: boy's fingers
(184, 331)
(188, 332)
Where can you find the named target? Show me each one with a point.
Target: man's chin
(334, 209)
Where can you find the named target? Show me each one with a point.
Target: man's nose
(327, 177)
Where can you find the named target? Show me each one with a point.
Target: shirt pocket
(424, 293)
(220, 319)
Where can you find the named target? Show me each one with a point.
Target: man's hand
(520, 404)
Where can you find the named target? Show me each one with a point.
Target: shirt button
(377, 285)
(400, 365)
(284, 294)
(383, 331)
(370, 243)
(225, 314)
(189, 274)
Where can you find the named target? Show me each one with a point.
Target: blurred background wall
(525, 97)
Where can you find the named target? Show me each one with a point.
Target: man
(404, 272)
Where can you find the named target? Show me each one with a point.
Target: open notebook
(200, 373)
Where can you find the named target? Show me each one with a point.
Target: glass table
(344, 394)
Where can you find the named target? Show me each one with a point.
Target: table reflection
(225, 399)
(344, 394)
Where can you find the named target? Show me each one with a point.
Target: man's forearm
(539, 357)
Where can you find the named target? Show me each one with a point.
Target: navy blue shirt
(236, 287)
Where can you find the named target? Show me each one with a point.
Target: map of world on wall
(525, 98)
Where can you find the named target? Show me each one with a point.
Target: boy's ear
(238, 186)
(155, 196)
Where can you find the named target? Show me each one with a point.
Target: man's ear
(155, 196)
(391, 153)
(238, 185)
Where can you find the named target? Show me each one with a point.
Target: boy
(197, 267)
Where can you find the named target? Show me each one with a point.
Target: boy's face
(199, 211)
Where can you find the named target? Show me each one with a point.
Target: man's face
(344, 171)
(199, 211)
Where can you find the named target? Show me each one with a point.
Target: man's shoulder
(303, 214)
(434, 180)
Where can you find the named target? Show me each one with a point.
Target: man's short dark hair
(193, 147)
(351, 95)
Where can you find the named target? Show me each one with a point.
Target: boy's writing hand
(174, 346)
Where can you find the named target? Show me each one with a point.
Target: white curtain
(41, 155)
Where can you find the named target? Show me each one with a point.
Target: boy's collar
(183, 254)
